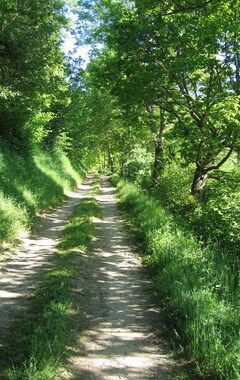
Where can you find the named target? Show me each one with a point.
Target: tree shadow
(22, 271)
(116, 332)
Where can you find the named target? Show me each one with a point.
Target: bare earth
(20, 272)
(116, 336)
(115, 332)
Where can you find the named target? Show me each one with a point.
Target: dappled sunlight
(116, 320)
(33, 256)
(116, 334)
(84, 187)
(7, 294)
(107, 190)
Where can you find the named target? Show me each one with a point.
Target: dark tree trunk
(122, 163)
(158, 158)
(159, 149)
(110, 160)
(199, 183)
(104, 161)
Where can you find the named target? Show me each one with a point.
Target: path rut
(117, 329)
(115, 332)
(23, 267)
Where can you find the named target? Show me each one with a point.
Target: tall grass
(31, 184)
(193, 282)
(37, 343)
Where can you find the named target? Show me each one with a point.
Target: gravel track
(21, 268)
(116, 333)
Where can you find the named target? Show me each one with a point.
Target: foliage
(138, 166)
(173, 186)
(219, 218)
(101, 131)
(181, 59)
(32, 65)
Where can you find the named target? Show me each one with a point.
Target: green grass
(193, 282)
(32, 184)
(37, 342)
(95, 187)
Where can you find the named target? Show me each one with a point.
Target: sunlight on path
(117, 334)
(18, 275)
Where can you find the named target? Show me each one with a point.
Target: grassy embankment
(193, 283)
(30, 185)
(37, 343)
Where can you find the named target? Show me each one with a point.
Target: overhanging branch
(190, 8)
(224, 159)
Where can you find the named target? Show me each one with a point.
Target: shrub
(138, 166)
(174, 186)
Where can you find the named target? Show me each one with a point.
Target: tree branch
(190, 8)
(190, 102)
(214, 167)
(234, 180)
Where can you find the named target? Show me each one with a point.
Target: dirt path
(20, 272)
(115, 331)
(118, 323)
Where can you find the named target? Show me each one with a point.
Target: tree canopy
(31, 64)
(181, 57)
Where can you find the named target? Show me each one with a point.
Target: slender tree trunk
(104, 161)
(122, 163)
(159, 148)
(236, 276)
(110, 160)
(199, 183)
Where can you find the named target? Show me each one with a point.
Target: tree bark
(122, 163)
(199, 183)
(110, 160)
(159, 149)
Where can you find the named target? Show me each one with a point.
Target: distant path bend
(118, 325)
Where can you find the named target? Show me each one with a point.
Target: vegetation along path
(118, 323)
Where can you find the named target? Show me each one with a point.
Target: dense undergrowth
(32, 184)
(194, 281)
(37, 342)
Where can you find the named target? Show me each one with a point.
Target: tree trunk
(122, 163)
(110, 160)
(104, 161)
(159, 149)
(199, 183)
(158, 158)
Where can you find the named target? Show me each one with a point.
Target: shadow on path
(20, 272)
(118, 324)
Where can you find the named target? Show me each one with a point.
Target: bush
(219, 217)
(138, 166)
(174, 185)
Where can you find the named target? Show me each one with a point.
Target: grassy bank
(32, 184)
(193, 283)
(38, 341)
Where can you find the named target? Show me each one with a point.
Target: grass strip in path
(38, 340)
(116, 334)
